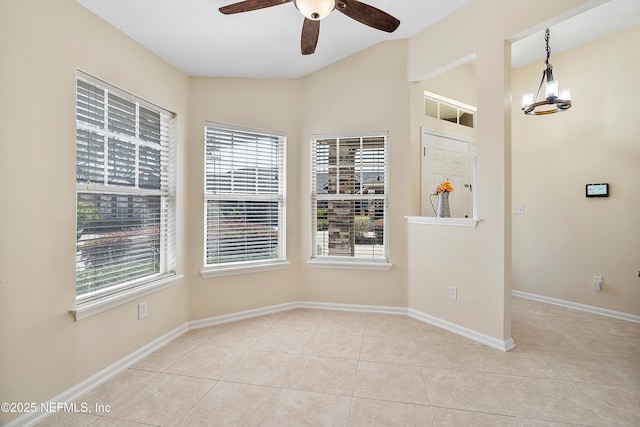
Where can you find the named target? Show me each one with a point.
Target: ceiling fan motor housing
(315, 9)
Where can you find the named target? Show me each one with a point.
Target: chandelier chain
(546, 39)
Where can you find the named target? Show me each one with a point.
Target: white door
(447, 159)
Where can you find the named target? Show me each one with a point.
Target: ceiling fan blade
(368, 15)
(249, 5)
(310, 33)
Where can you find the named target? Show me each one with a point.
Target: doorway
(448, 158)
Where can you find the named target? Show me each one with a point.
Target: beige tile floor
(329, 368)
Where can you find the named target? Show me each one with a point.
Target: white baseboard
(354, 307)
(85, 386)
(577, 306)
(502, 345)
(111, 371)
(240, 315)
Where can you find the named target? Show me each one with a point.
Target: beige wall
(366, 92)
(564, 238)
(477, 261)
(269, 104)
(371, 83)
(458, 84)
(363, 93)
(43, 350)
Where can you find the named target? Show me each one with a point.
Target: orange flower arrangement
(441, 188)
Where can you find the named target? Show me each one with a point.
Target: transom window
(440, 107)
(124, 197)
(349, 198)
(244, 196)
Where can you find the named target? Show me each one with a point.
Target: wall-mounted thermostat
(597, 190)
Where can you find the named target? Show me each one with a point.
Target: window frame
(349, 262)
(163, 192)
(277, 262)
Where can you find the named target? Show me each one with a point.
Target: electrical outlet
(518, 209)
(597, 283)
(453, 292)
(142, 310)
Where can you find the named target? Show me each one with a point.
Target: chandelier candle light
(554, 102)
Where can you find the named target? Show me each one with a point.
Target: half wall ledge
(452, 222)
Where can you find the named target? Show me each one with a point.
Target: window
(244, 198)
(349, 198)
(124, 195)
(442, 108)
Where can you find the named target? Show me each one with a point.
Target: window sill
(208, 273)
(91, 308)
(454, 222)
(349, 265)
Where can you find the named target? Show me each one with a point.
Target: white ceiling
(197, 39)
(600, 18)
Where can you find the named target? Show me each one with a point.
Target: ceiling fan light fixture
(315, 9)
(556, 100)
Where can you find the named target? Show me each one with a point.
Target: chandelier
(554, 102)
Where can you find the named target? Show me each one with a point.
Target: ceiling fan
(316, 10)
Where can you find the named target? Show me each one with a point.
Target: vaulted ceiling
(197, 39)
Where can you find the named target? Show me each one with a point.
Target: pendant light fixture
(555, 101)
(315, 9)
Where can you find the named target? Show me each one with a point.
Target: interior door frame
(473, 163)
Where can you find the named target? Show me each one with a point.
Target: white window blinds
(349, 198)
(125, 198)
(244, 196)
